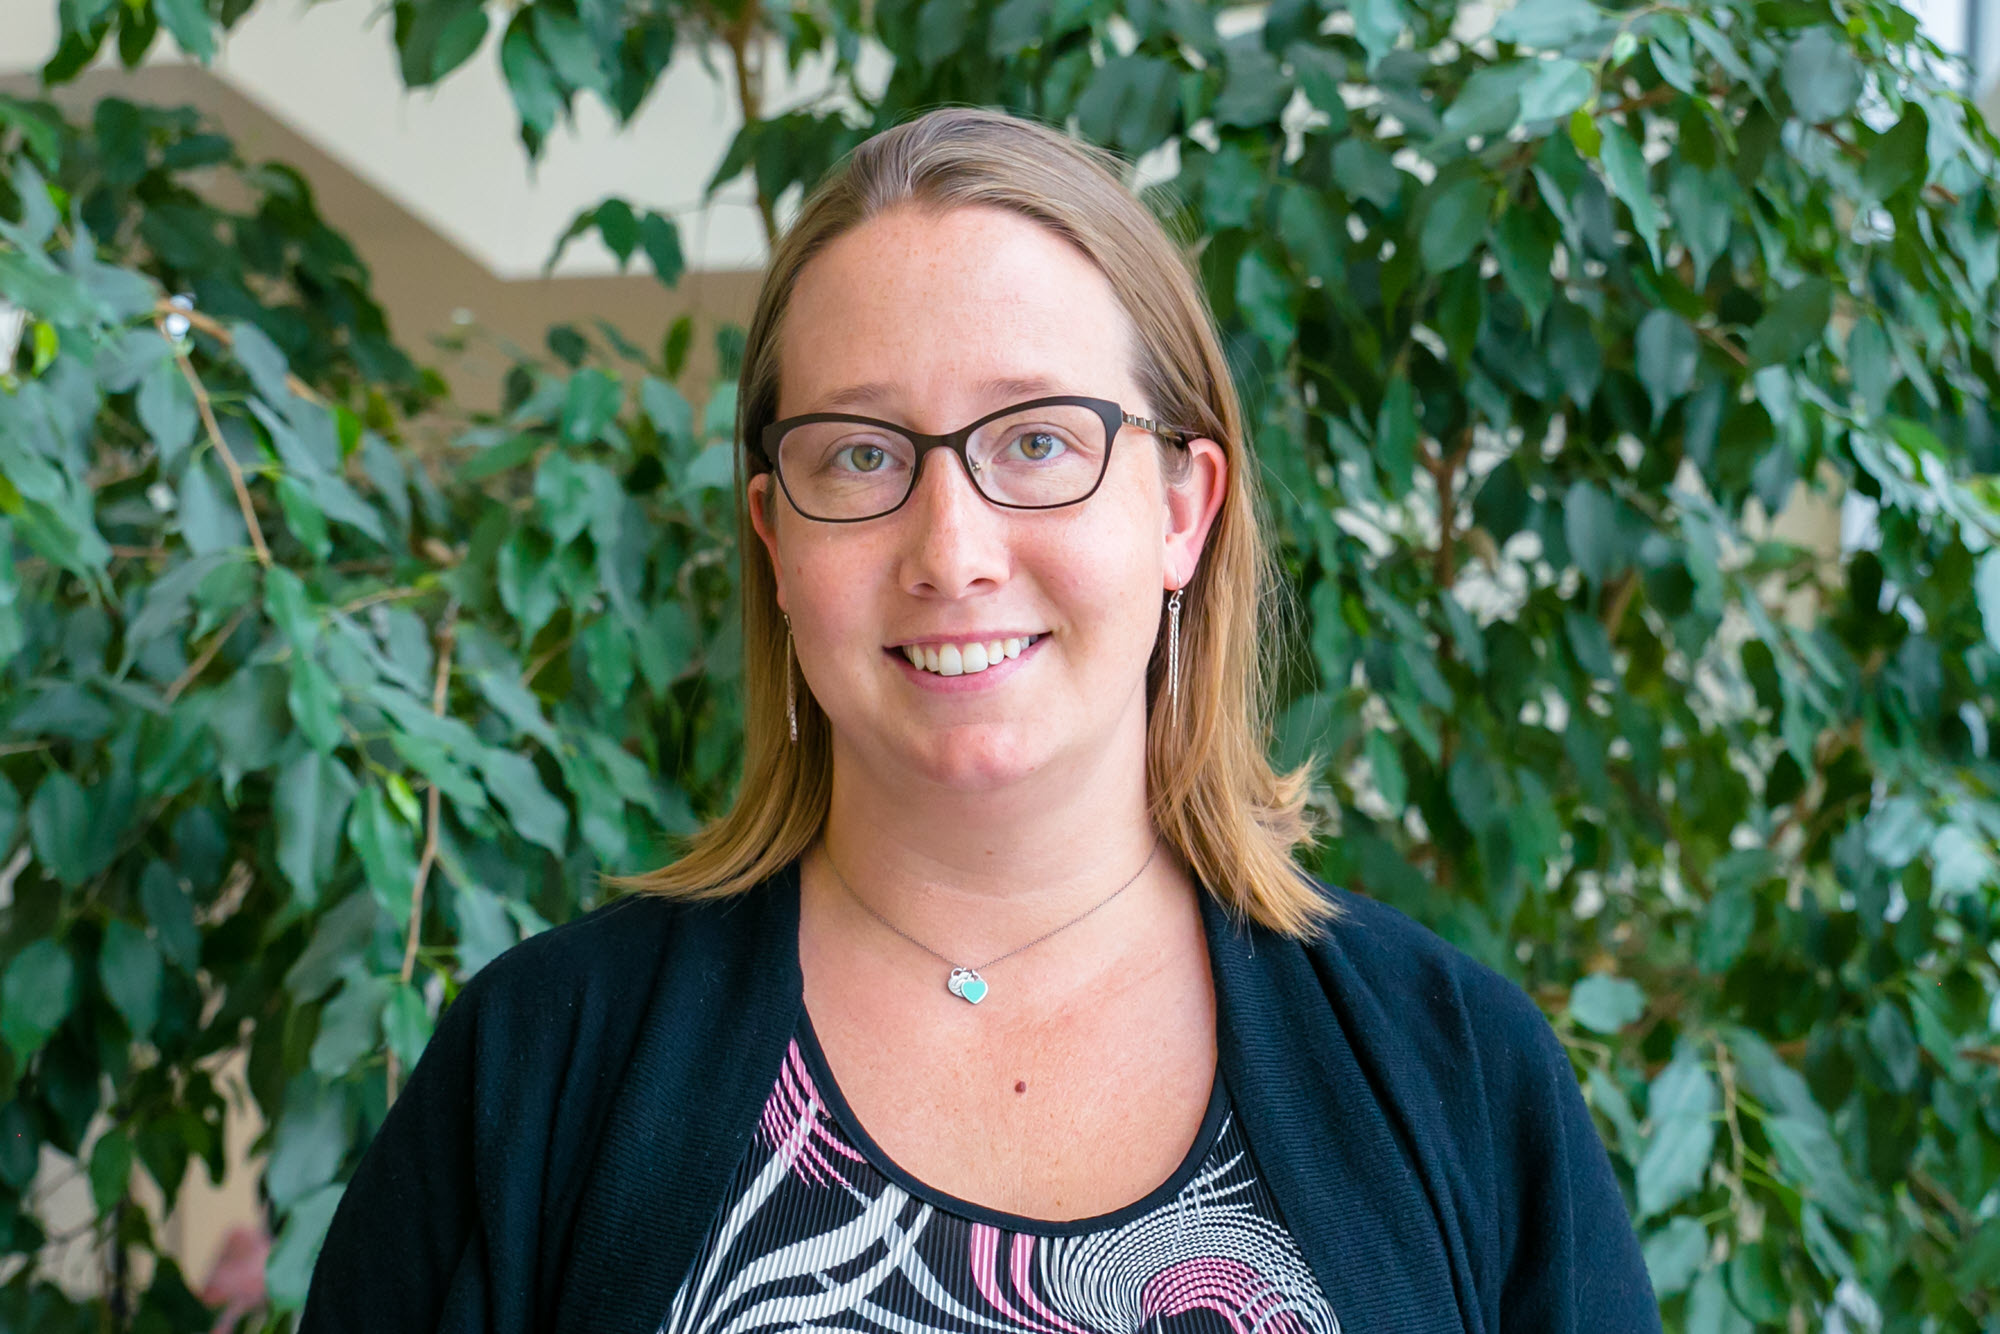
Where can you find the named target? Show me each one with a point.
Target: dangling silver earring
(791, 693)
(1174, 655)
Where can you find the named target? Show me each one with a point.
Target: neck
(974, 873)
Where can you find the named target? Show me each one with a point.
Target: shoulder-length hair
(1213, 793)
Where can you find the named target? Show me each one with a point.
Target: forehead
(934, 317)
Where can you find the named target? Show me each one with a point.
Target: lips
(965, 659)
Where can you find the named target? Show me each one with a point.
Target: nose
(956, 541)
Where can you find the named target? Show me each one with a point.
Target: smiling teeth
(965, 659)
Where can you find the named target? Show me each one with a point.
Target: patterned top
(820, 1231)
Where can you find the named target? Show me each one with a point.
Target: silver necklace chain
(965, 981)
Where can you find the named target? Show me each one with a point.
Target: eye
(1039, 446)
(861, 458)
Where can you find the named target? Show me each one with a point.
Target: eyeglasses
(1038, 455)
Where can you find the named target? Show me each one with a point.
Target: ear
(1192, 504)
(761, 496)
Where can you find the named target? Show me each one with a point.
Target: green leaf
(129, 966)
(406, 1024)
(193, 31)
(1666, 353)
(288, 1272)
(387, 850)
(169, 909)
(1986, 591)
(1726, 928)
(1264, 298)
(61, 829)
(1591, 529)
(485, 931)
(532, 83)
(350, 1025)
(1366, 172)
(1898, 155)
(314, 702)
(1385, 769)
(1585, 133)
(1709, 1310)
(1130, 104)
(1526, 253)
(1822, 77)
(619, 228)
(537, 816)
(308, 1141)
(209, 519)
(1490, 101)
(1674, 1254)
(1378, 25)
(309, 801)
(36, 994)
(592, 403)
(1606, 1004)
(1811, 1160)
(1895, 1044)
(1455, 213)
(1556, 91)
(10, 816)
(1793, 323)
(1548, 23)
(567, 44)
(1681, 1107)
(1396, 434)
(660, 238)
(1625, 171)
(110, 1170)
(1702, 203)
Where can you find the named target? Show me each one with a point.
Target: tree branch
(739, 36)
(228, 459)
(433, 811)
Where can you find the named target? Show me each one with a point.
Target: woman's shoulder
(604, 966)
(1378, 961)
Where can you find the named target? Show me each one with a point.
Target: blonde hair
(1212, 791)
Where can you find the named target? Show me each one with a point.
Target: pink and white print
(815, 1236)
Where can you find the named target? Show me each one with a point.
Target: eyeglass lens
(1043, 456)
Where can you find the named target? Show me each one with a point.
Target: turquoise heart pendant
(967, 985)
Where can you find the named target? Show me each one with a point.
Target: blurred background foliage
(318, 690)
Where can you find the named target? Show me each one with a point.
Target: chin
(977, 759)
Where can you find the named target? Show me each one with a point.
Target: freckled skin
(980, 817)
(928, 307)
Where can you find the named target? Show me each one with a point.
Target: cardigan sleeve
(1565, 1256)
(458, 1218)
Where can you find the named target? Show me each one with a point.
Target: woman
(996, 1002)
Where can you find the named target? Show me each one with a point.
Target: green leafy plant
(1540, 325)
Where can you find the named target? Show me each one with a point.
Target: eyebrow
(998, 387)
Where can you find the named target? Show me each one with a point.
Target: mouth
(968, 658)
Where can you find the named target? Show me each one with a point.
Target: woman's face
(931, 322)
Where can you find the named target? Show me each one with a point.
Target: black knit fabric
(561, 1150)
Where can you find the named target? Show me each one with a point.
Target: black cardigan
(562, 1146)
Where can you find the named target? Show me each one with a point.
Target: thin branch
(1727, 1070)
(739, 36)
(554, 650)
(447, 639)
(228, 459)
(207, 655)
(1621, 597)
(1443, 469)
(221, 334)
(384, 595)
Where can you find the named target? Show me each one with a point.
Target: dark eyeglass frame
(1113, 415)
